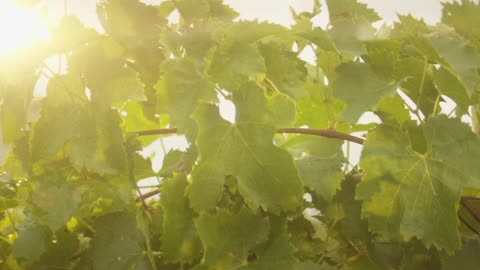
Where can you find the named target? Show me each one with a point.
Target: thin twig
(147, 195)
(329, 133)
(161, 131)
(472, 210)
(464, 221)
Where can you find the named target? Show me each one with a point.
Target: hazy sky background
(276, 11)
(273, 10)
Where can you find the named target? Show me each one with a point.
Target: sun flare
(19, 27)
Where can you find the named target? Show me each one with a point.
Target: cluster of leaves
(242, 196)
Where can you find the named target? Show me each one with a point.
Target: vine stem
(147, 195)
(329, 133)
(472, 210)
(465, 222)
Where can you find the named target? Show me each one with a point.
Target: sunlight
(19, 27)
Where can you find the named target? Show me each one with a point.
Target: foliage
(243, 195)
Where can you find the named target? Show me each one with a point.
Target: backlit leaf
(417, 195)
(361, 89)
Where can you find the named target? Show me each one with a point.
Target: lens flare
(19, 27)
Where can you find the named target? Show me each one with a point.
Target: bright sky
(27, 27)
(273, 10)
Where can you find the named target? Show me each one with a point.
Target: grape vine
(273, 188)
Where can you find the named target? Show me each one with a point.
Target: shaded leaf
(227, 237)
(180, 242)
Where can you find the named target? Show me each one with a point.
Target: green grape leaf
(134, 119)
(321, 169)
(340, 10)
(282, 110)
(351, 23)
(347, 212)
(132, 22)
(18, 161)
(238, 58)
(278, 255)
(463, 58)
(284, 69)
(180, 242)
(408, 194)
(116, 244)
(17, 84)
(278, 252)
(13, 110)
(314, 266)
(64, 89)
(266, 174)
(198, 41)
(85, 152)
(221, 11)
(236, 65)
(182, 87)
(202, 9)
(360, 88)
(209, 176)
(449, 85)
(383, 56)
(174, 161)
(227, 237)
(467, 258)
(58, 252)
(248, 32)
(414, 33)
(462, 16)
(350, 36)
(316, 35)
(328, 61)
(142, 167)
(58, 204)
(54, 128)
(319, 109)
(31, 243)
(191, 9)
(99, 143)
(59, 116)
(12, 120)
(364, 263)
(136, 29)
(107, 75)
(64, 41)
(417, 83)
(392, 110)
